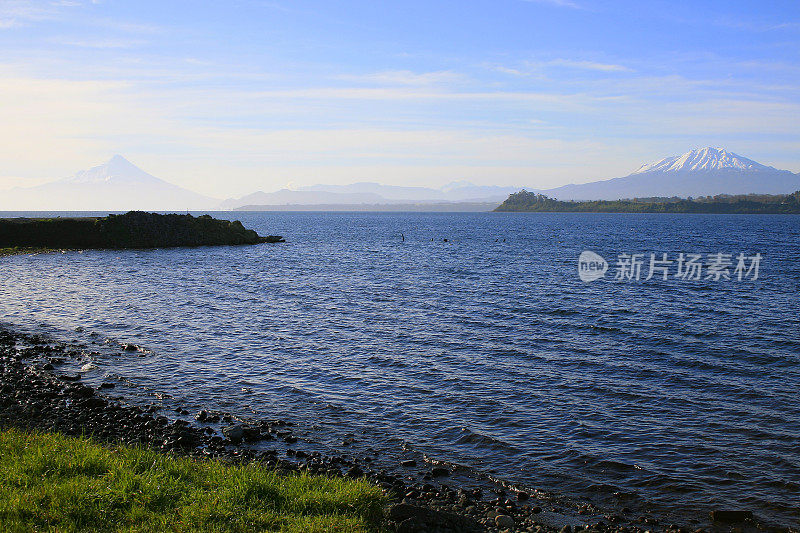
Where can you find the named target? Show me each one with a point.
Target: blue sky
(230, 97)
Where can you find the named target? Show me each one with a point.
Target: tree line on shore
(524, 201)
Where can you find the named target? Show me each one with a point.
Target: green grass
(49, 482)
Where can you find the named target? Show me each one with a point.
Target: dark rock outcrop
(135, 229)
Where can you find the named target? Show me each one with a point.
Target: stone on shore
(354, 472)
(730, 516)
(504, 521)
(429, 519)
(439, 471)
(234, 433)
(251, 434)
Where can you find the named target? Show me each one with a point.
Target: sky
(226, 98)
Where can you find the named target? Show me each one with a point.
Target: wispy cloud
(331, 133)
(559, 3)
(21, 12)
(362, 94)
(757, 26)
(100, 43)
(405, 77)
(588, 65)
(87, 81)
(771, 66)
(123, 26)
(15, 13)
(537, 68)
(78, 123)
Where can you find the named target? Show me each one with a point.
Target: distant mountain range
(703, 172)
(372, 194)
(119, 185)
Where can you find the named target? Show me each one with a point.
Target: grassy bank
(52, 482)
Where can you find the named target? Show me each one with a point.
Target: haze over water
(486, 350)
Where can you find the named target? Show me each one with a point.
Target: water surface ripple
(486, 350)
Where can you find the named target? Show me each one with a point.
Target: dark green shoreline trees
(524, 201)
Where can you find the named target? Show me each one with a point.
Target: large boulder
(234, 433)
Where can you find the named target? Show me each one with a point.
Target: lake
(485, 350)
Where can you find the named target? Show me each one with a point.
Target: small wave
(615, 465)
(622, 311)
(387, 362)
(603, 488)
(604, 329)
(479, 439)
(561, 312)
(701, 334)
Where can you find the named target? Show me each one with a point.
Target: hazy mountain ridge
(421, 207)
(374, 194)
(119, 185)
(298, 197)
(701, 172)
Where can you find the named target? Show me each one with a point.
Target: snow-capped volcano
(115, 170)
(116, 185)
(702, 172)
(703, 159)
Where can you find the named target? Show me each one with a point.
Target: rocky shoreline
(35, 395)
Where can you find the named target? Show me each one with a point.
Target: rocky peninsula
(135, 229)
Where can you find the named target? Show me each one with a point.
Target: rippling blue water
(486, 350)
